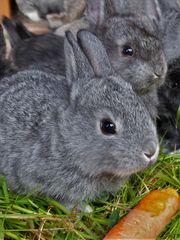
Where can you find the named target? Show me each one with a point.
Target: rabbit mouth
(123, 174)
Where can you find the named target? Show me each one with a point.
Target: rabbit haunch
(54, 135)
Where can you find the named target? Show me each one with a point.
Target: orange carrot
(148, 218)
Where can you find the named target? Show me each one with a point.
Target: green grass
(43, 219)
(178, 118)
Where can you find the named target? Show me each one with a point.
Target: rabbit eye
(127, 51)
(175, 85)
(108, 127)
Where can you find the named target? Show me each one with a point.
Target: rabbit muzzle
(151, 153)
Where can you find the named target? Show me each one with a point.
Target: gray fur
(170, 28)
(50, 137)
(134, 23)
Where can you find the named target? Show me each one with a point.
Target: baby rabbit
(131, 41)
(132, 44)
(73, 137)
(38, 51)
(57, 12)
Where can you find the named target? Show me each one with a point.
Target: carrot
(148, 218)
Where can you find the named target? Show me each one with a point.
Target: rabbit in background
(44, 52)
(132, 43)
(56, 12)
(77, 136)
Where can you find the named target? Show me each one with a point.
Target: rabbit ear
(153, 11)
(2, 44)
(23, 32)
(77, 65)
(116, 7)
(95, 52)
(95, 12)
(11, 30)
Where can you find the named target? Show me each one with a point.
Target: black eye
(127, 51)
(108, 127)
(175, 85)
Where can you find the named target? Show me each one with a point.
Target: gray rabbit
(73, 137)
(129, 32)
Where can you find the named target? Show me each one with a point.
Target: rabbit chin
(123, 174)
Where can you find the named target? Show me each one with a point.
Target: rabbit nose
(151, 152)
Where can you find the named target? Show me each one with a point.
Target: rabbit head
(131, 40)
